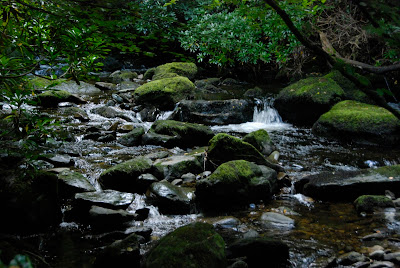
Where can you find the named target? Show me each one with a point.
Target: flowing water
(322, 229)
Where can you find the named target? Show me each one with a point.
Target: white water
(264, 117)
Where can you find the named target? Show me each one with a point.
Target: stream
(322, 230)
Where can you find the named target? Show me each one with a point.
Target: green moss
(133, 167)
(314, 89)
(367, 203)
(172, 128)
(193, 245)
(236, 171)
(164, 93)
(261, 141)
(41, 83)
(388, 171)
(354, 116)
(168, 70)
(61, 94)
(149, 73)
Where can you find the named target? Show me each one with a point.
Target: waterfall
(264, 112)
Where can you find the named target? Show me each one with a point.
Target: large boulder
(348, 185)
(236, 183)
(164, 93)
(170, 133)
(175, 69)
(51, 98)
(359, 122)
(216, 112)
(195, 245)
(171, 199)
(223, 148)
(124, 176)
(304, 101)
(261, 141)
(367, 203)
(174, 167)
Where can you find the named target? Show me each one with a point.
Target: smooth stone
(377, 255)
(351, 258)
(108, 198)
(273, 219)
(382, 264)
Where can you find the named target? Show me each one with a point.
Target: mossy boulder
(359, 122)
(124, 176)
(132, 138)
(350, 89)
(42, 83)
(261, 141)
(367, 203)
(223, 148)
(304, 101)
(174, 167)
(348, 185)
(236, 183)
(164, 93)
(196, 245)
(51, 98)
(175, 133)
(174, 69)
(119, 76)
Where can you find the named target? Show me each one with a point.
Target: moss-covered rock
(367, 203)
(236, 183)
(164, 93)
(223, 148)
(132, 138)
(304, 101)
(350, 90)
(174, 69)
(175, 133)
(174, 167)
(51, 98)
(124, 176)
(42, 83)
(359, 122)
(261, 141)
(196, 245)
(119, 76)
(149, 74)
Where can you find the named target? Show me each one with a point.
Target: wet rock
(377, 255)
(146, 179)
(158, 155)
(382, 264)
(239, 264)
(227, 223)
(397, 202)
(261, 141)
(149, 114)
(359, 122)
(82, 89)
(107, 137)
(124, 176)
(119, 76)
(174, 69)
(367, 203)
(132, 138)
(188, 177)
(109, 219)
(223, 148)
(215, 112)
(393, 257)
(351, 258)
(235, 183)
(107, 198)
(254, 93)
(272, 253)
(105, 86)
(374, 236)
(60, 160)
(149, 74)
(390, 194)
(74, 182)
(170, 199)
(51, 98)
(276, 220)
(348, 185)
(76, 113)
(170, 133)
(110, 112)
(164, 93)
(175, 166)
(304, 101)
(193, 245)
(120, 253)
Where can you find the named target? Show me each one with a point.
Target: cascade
(264, 111)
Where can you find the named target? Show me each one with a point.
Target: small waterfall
(264, 112)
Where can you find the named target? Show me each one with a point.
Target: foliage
(19, 260)
(249, 34)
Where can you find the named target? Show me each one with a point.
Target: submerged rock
(359, 122)
(124, 176)
(304, 101)
(170, 133)
(261, 141)
(367, 203)
(195, 245)
(175, 69)
(348, 185)
(215, 112)
(171, 199)
(236, 183)
(260, 252)
(164, 93)
(223, 148)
